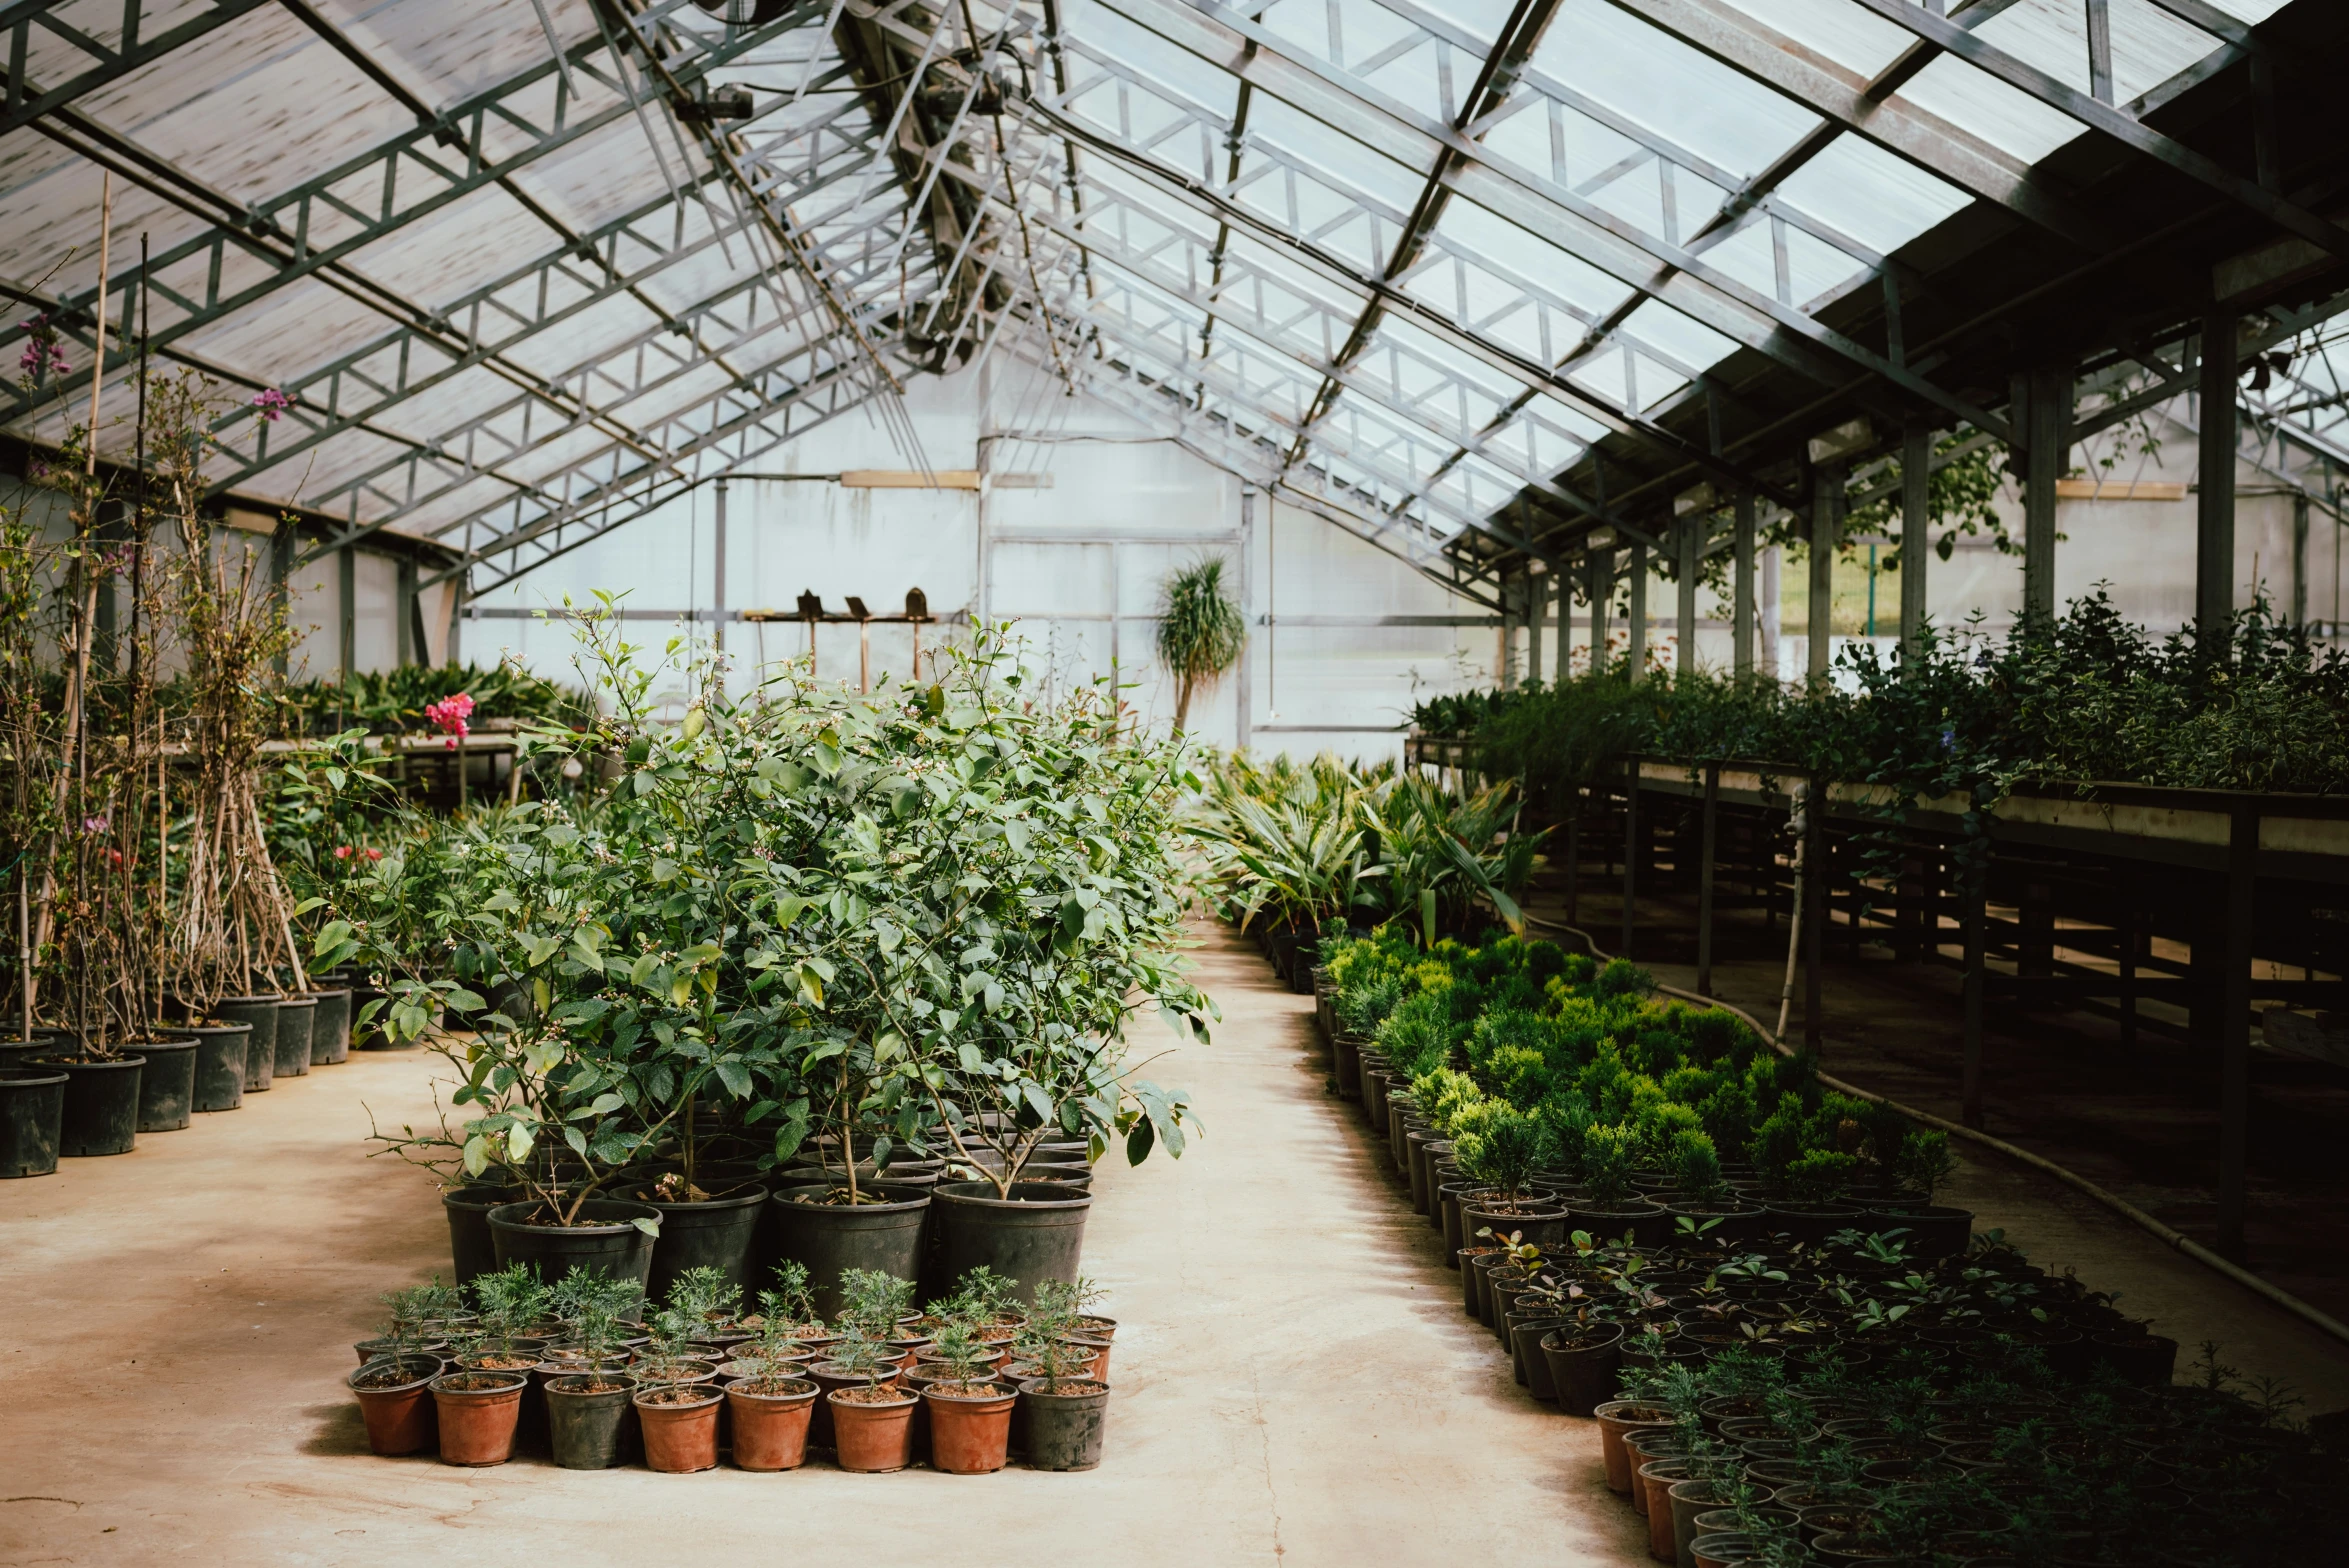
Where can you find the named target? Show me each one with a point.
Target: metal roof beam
(1926, 141)
(731, 428)
(325, 219)
(135, 46)
(1987, 57)
(1668, 272)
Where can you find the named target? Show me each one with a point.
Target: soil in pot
(167, 1084)
(101, 1104)
(220, 1064)
(970, 1426)
(330, 1028)
(771, 1421)
(32, 1115)
(395, 1401)
(1035, 1233)
(680, 1422)
(261, 1045)
(816, 1226)
(1617, 1417)
(607, 1241)
(872, 1428)
(586, 1414)
(1063, 1422)
(478, 1412)
(295, 1017)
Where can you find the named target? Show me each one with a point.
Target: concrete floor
(1295, 1381)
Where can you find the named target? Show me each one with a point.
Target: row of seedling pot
(1788, 1384)
(583, 1373)
(60, 1095)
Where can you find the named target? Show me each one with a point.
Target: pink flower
(342, 851)
(375, 854)
(269, 403)
(449, 716)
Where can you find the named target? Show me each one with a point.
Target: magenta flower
(449, 715)
(269, 403)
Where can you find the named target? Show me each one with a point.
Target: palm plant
(1200, 632)
(1439, 853)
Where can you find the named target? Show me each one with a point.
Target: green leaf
(735, 1077)
(651, 1227)
(1139, 1141)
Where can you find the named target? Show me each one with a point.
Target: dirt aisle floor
(1295, 1382)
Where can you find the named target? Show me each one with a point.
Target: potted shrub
(676, 1400)
(1066, 1411)
(587, 1391)
(772, 1404)
(872, 1419)
(970, 1415)
(478, 1414)
(394, 1387)
(1501, 1147)
(32, 1112)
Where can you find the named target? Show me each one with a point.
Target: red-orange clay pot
(970, 1432)
(399, 1417)
(1616, 1417)
(680, 1438)
(771, 1422)
(872, 1437)
(477, 1413)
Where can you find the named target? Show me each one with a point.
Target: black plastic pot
(584, 1425)
(1647, 1222)
(1583, 1379)
(330, 1028)
(167, 1089)
(1064, 1431)
(1036, 1234)
(101, 1106)
(1544, 1226)
(219, 1082)
(19, 1053)
(832, 1238)
(1346, 1065)
(296, 1016)
(609, 1243)
(1525, 1354)
(472, 1248)
(712, 1233)
(32, 1113)
(261, 1049)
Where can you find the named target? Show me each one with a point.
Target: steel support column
(1636, 652)
(1826, 534)
(1742, 615)
(2214, 535)
(1684, 608)
(1916, 544)
(2049, 410)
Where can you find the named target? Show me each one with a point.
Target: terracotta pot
(868, 1435)
(1639, 1449)
(679, 1437)
(1656, 1480)
(970, 1430)
(829, 1376)
(399, 1415)
(770, 1422)
(1616, 1418)
(478, 1412)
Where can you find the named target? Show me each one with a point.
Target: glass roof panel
(1851, 36)
(1656, 80)
(1863, 191)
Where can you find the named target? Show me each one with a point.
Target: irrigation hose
(2176, 1241)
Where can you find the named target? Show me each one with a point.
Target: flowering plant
(41, 357)
(450, 716)
(269, 403)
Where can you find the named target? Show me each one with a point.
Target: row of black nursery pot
(915, 1220)
(681, 1415)
(1793, 1386)
(58, 1098)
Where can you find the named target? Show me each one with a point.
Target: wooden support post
(2047, 422)
(1630, 850)
(1636, 659)
(1537, 610)
(2235, 1029)
(1709, 840)
(1976, 882)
